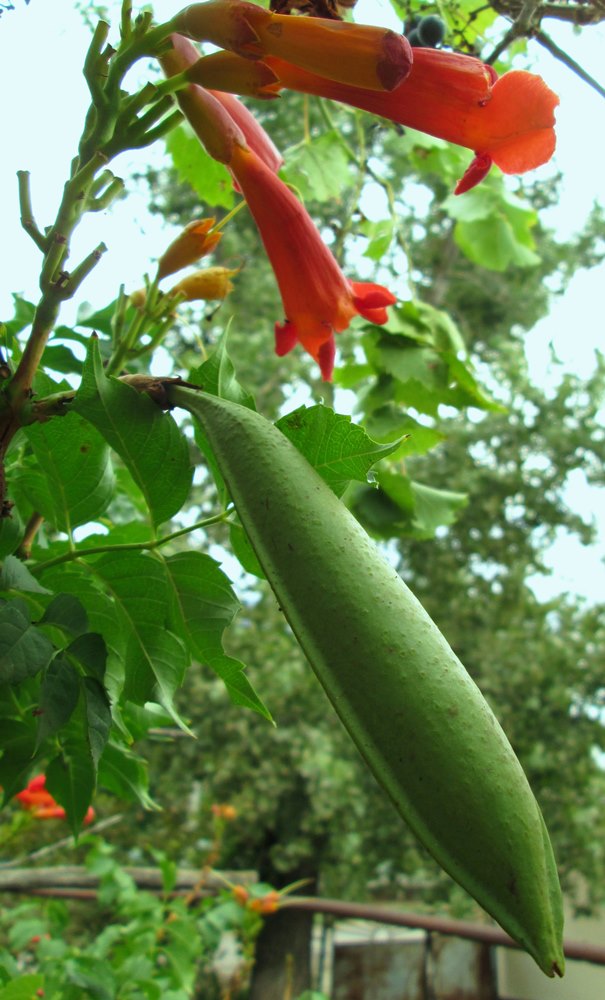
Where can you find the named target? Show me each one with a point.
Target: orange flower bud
(240, 895)
(193, 242)
(223, 810)
(267, 904)
(211, 283)
(230, 72)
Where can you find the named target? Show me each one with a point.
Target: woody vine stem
(115, 121)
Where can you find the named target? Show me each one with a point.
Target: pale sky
(44, 98)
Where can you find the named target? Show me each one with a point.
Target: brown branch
(486, 933)
(523, 25)
(68, 879)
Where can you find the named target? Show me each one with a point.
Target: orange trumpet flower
(184, 56)
(361, 54)
(318, 299)
(505, 120)
(40, 803)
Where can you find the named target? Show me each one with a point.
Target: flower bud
(211, 283)
(193, 242)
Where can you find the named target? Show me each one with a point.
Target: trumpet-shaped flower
(508, 120)
(197, 107)
(360, 54)
(40, 803)
(318, 299)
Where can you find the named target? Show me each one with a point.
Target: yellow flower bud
(211, 283)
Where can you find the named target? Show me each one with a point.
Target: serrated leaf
(104, 618)
(24, 649)
(59, 695)
(125, 774)
(90, 652)
(465, 380)
(389, 422)
(380, 236)
(338, 449)
(423, 508)
(59, 358)
(319, 168)
(18, 750)
(72, 482)
(492, 244)
(217, 376)
(208, 178)
(98, 717)
(155, 659)
(22, 317)
(202, 606)
(92, 975)
(15, 575)
(147, 440)
(71, 777)
(67, 613)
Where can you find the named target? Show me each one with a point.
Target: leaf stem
(152, 543)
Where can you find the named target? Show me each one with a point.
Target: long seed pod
(413, 711)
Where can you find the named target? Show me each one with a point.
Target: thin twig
(27, 215)
(563, 57)
(522, 26)
(152, 543)
(31, 530)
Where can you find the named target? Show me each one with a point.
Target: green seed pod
(415, 714)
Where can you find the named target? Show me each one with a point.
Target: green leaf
(338, 449)
(104, 618)
(155, 659)
(465, 380)
(90, 653)
(217, 376)
(208, 178)
(424, 508)
(493, 244)
(425, 325)
(380, 236)
(147, 440)
(98, 717)
(389, 422)
(11, 533)
(125, 774)
(202, 606)
(319, 168)
(243, 551)
(72, 482)
(59, 358)
(67, 613)
(15, 575)
(494, 227)
(59, 695)
(23, 988)
(71, 777)
(22, 318)
(94, 976)
(24, 649)
(18, 750)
